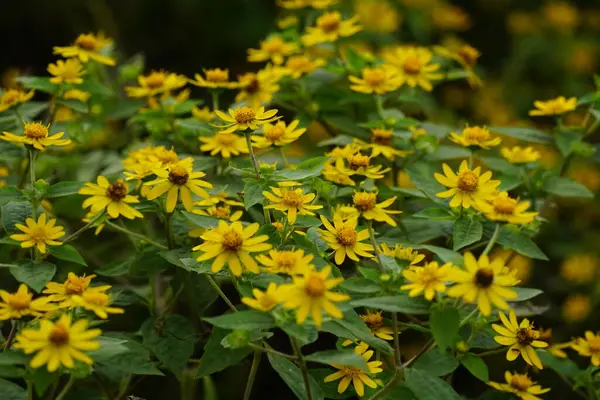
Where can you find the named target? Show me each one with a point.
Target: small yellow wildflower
(450, 17)
(588, 346)
(278, 134)
(357, 376)
(287, 22)
(507, 209)
(258, 88)
(98, 302)
(297, 66)
(379, 80)
(288, 262)
(557, 106)
(375, 322)
(579, 268)
(479, 136)
(428, 279)
(13, 97)
(264, 301)
(244, 118)
(291, 201)
(154, 83)
(274, 49)
(36, 135)
(344, 239)
(64, 293)
(521, 337)
(414, 67)
(329, 28)
(366, 203)
(225, 144)
(576, 308)
(561, 14)
(360, 164)
(203, 114)
(113, 197)
(68, 71)
(39, 234)
(76, 94)
(378, 15)
(519, 155)
(381, 144)
(402, 253)
(520, 385)
(21, 304)
(87, 47)
(216, 78)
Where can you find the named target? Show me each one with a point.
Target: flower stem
(373, 243)
(252, 155)
(270, 350)
(136, 235)
(491, 352)
(252, 375)
(379, 105)
(468, 317)
(215, 285)
(215, 99)
(303, 368)
(492, 241)
(169, 229)
(11, 336)
(66, 389)
(74, 235)
(397, 358)
(32, 156)
(283, 157)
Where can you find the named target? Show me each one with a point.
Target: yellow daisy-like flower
(154, 83)
(264, 301)
(366, 203)
(216, 78)
(13, 97)
(244, 118)
(556, 349)
(274, 48)
(428, 279)
(381, 144)
(36, 135)
(379, 80)
(98, 302)
(588, 346)
(232, 244)
(505, 208)
(297, 66)
(346, 211)
(310, 293)
(291, 201)
(375, 322)
(58, 343)
(360, 164)
(479, 136)
(344, 239)
(287, 22)
(519, 155)
(466, 55)
(258, 88)
(64, 293)
(113, 197)
(203, 114)
(278, 134)
(337, 173)
(178, 180)
(484, 282)
(67, 71)
(402, 253)
(468, 188)
(87, 47)
(222, 197)
(288, 262)
(329, 28)
(521, 337)
(21, 304)
(76, 94)
(221, 212)
(39, 234)
(297, 4)
(357, 376)
(520, 385)
(378, 15)
(414, 67)
(557, 106)
(226, 144)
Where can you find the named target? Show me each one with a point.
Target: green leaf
(13, 358)
(42, 84)
(292, 376)
(514, 239)
(306, 169)
(444, 152)
(75, 105)
(62, 189)
(566, 141)
(171, 339)
(42, 379)
(360, 285)
(562, 365)
(216, 358)
(476, 366)
(305, 333)
(421, 174)
(34, 275)
(252, 193)
(525, 134)
(509, 182)
(341, 357)
(389, 264)
(467, 230)
(444, 324)
(12, 391)
(67, 252)
(248, 320)
(436, 363)
(195, 125)
(353, 328)
(203, 221)
(525, 293)
(427, 387)
(565, 187)
(13, 213)
(10, 193)
(444, 254)
(131, 357)
(399, 303)
(435, 213)
(500, 165)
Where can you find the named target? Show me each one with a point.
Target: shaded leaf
(34, 275)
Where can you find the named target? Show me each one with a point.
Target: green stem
(492, 241)
(270, 350)
(252, 155)
(101, 385)
(215, 99)
(491, 352)
(66, 389)
(397, 358)
(379, 106)
(303, 368)
(136, 235)
(169, 229)
(32, 156)
(11, 336)
(215, 285)
(87, 226)
(471, 160)
(468, 317)
(374, 244)
(252, 375)
(284, 159)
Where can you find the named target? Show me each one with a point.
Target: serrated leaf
(565, 187)
(444, 324)
(292, 376)
(341, 357)
(467, 231)
(62, 189)
(203, 221)
(360, 285)
(13, 213)
(253, 193)
(398, 303)
(216, 358)
(514, 239)
(10, 193)
(247, 320)
(67, 252)
(171, 339)
(476, 366)
(436, 363)
(34, 275)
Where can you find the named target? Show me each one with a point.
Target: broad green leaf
(565, 187)
(500, 165)
(203, 221)
(13, 358)
(421, 175)
(399, 303)
(42, 379)
(171, 339)
(435, 213)
(566, 141)
(436, 363)
(13, 213)
(195, 125)
(12, 391)
(444, 324)
(339, 140)
(34, 275)
(75, 105)
(467, 231)
(360, 285)
(307, 221)
(564, 366)
(62, 189)
(40, 83)
(10, 193)
(109, 347)
(127, 356)
(253, 193)
(67, 252)
(444, 254)
(514, 239)
(525, 293)
(296, 174)
(292, 376)
(341, 357)
(509, 182)
(248, 320)
(428, 387)
(476, 366)
(389, 264)
(216, 358)
(525, 134)
(305, 333)
(445, 152)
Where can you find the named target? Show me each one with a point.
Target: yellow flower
(20, 304)
(338, 173)
(39, 234)
(222, 197)
(465, 54)
(468, 188)
(13, 97)
(561, 15)
(557, 106)
(203, 114)
(154, 83)
(274, 48)
(357, 376)
(381, 144)
(264, 301)
(258, 88)
(450, 17)
(556, 349)
(4, 172)
(521, 337)
(366, 203)
(232, 244)
(518, 154)
(287, 22)
(377, 15)
(288, 262)
(244, 118)
(517, 263)
(589, 346)
(520, 385)
(402, 253)
(579, 268)
(344, 239)
(113, 197)
(58, 343)
(89, 217)
(87, 47)
(576, 308)
(311, 293)
(68, 71)
(360, 164)
(224, 143)
(484, 282)
(98, 302)
(379, 80)
(278, 134)
(216, 78)
(291, 201)
(329, 28)
(414, 67)
(507, 209)
(296, 4)
(76, 94)
(296, 66)
(178, 180)
(375, 322)
(64, 293)
(428, 279)
(36, 135)
(475, 136)
(221, 212)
